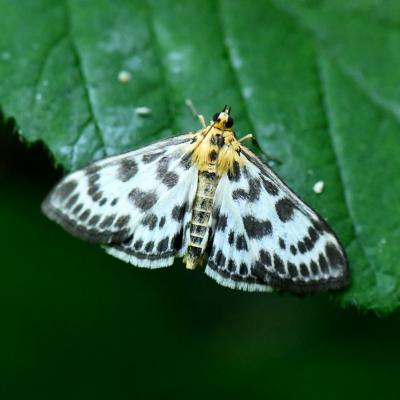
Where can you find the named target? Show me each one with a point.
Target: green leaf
(315, 81)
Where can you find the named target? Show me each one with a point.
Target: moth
(202, 195)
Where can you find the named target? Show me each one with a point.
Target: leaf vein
(83, 78)
(157, 51)
(340, 168)
(39, 78)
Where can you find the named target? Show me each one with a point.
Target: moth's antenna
(226, 109)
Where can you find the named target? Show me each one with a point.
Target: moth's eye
(229, 123)
(215, 117)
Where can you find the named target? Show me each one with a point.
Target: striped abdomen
(201, 215)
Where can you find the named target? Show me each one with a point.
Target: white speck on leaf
(39, 96)
(318, 187)
(142, 110)
(124, 76)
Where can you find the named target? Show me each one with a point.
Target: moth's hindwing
(136, 204)
(266, 237)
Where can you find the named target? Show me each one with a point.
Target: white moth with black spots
(201, 194)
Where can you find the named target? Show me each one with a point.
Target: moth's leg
(192, 108)
(255, 142)
(247, 137)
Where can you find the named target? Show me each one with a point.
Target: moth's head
(223, 120)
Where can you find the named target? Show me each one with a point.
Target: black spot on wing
(265, 258)
(304, 270)
(149, 246)
(65, 189)
(84, 216)
(127, 169)
(243, 269)
(259, 271)
(231, 265)
(176, 241)
(278, 264)
(221, 223)
(107, 221)
(323, 264)
(128, 241)
(77, 209)
(256, 228)
(94, 220)
(313, 234)
(162, 166)
(93, 178)
(231, 237)
(141, 199)
(292, 269)
(241, 243)
(220, 259)
(186, 161)
(162, 222)
(92, 169)
(138, 244)
(314, 268)
(122, 221)
(302, 247)
(285, 209)
(282, 244)
(251, 195)
(178, 212)
(97, 196)
(71, 201)
(94, 191)
(321, 226)
(335, 257)
(150, 157)
(170, 179)
(269, 186)
(308, 243)
(293, 249)
(162, 245)
(150, 220)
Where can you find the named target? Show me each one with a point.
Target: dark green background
(78, 324)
